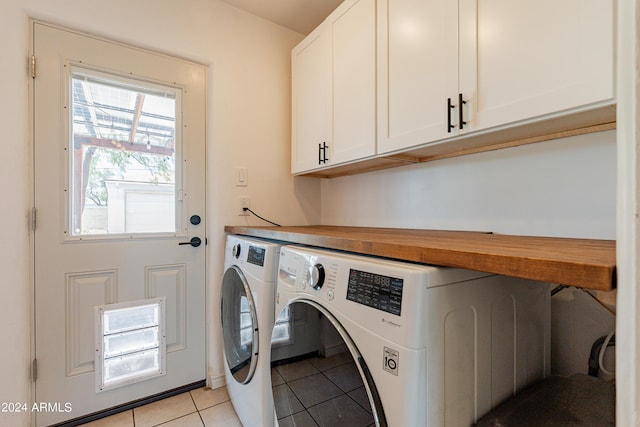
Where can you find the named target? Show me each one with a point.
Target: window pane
(131, 366)
(123, 156)
(131, 342)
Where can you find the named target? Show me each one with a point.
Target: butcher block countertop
(585, 263)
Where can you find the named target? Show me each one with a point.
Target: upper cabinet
(418, 71)
(311, 101)
(334, 89)
(386, 82)
(524, 62)
(450, 67)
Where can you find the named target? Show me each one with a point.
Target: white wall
(248, 125)
(565, 188)
(15, 303)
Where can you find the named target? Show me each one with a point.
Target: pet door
(130, 342)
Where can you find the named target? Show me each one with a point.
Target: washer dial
(316, 276)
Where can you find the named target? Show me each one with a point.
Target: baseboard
(217, 381)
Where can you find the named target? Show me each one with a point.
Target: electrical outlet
(244, 203)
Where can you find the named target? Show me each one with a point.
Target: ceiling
(301, 16)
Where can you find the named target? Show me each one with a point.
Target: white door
(523, 60)
(119, 186)
(417, 72)
(353, 48)
(311, 101)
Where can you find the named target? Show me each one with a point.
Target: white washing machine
(247, 315)
(430, 346)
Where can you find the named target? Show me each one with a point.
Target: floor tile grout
(132, 422)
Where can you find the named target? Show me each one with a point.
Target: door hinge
(33, 219)
(34, 370)
(33, 66)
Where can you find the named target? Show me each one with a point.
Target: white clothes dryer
(247, 316)
(430, 346)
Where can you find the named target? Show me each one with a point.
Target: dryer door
(239, 325)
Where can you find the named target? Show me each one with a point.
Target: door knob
(195, 242)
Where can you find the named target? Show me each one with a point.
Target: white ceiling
(298, 15)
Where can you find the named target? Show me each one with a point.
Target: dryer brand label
(391, 360)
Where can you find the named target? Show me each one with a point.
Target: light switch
(242, 177)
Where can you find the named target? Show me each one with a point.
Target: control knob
(316, 276)
(235, 251)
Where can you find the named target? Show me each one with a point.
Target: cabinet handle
(461, 102)
(449, 108)
(322, 153)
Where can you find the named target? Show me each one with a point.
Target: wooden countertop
(585, 263)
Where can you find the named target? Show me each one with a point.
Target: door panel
(130, 258)
(170, 281)
(417, 71)
(85, 290)
(353, 47)
(311, 100)
(524, 62)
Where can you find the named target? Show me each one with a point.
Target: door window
(123, 149)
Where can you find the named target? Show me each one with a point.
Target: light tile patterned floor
(202, 407)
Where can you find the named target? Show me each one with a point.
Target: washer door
(331, 390)
(239, 325)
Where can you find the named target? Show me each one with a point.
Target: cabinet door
(521, 60)
(311, 99)
(353, 34)
(417, 71)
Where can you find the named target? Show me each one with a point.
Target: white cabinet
(417, 69)
(334, 89)
(524, 60)
(311, 100)
(507, 61)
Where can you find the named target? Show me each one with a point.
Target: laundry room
(569, 177)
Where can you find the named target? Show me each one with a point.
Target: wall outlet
(244, 203)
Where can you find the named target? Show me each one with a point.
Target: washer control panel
(375, 290)
(256, 255)
(318, 276)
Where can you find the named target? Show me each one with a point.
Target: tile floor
(309, 393)
(321, 392)
(202, 407)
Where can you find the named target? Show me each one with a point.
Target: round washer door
(344, 411)
(239, 325)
